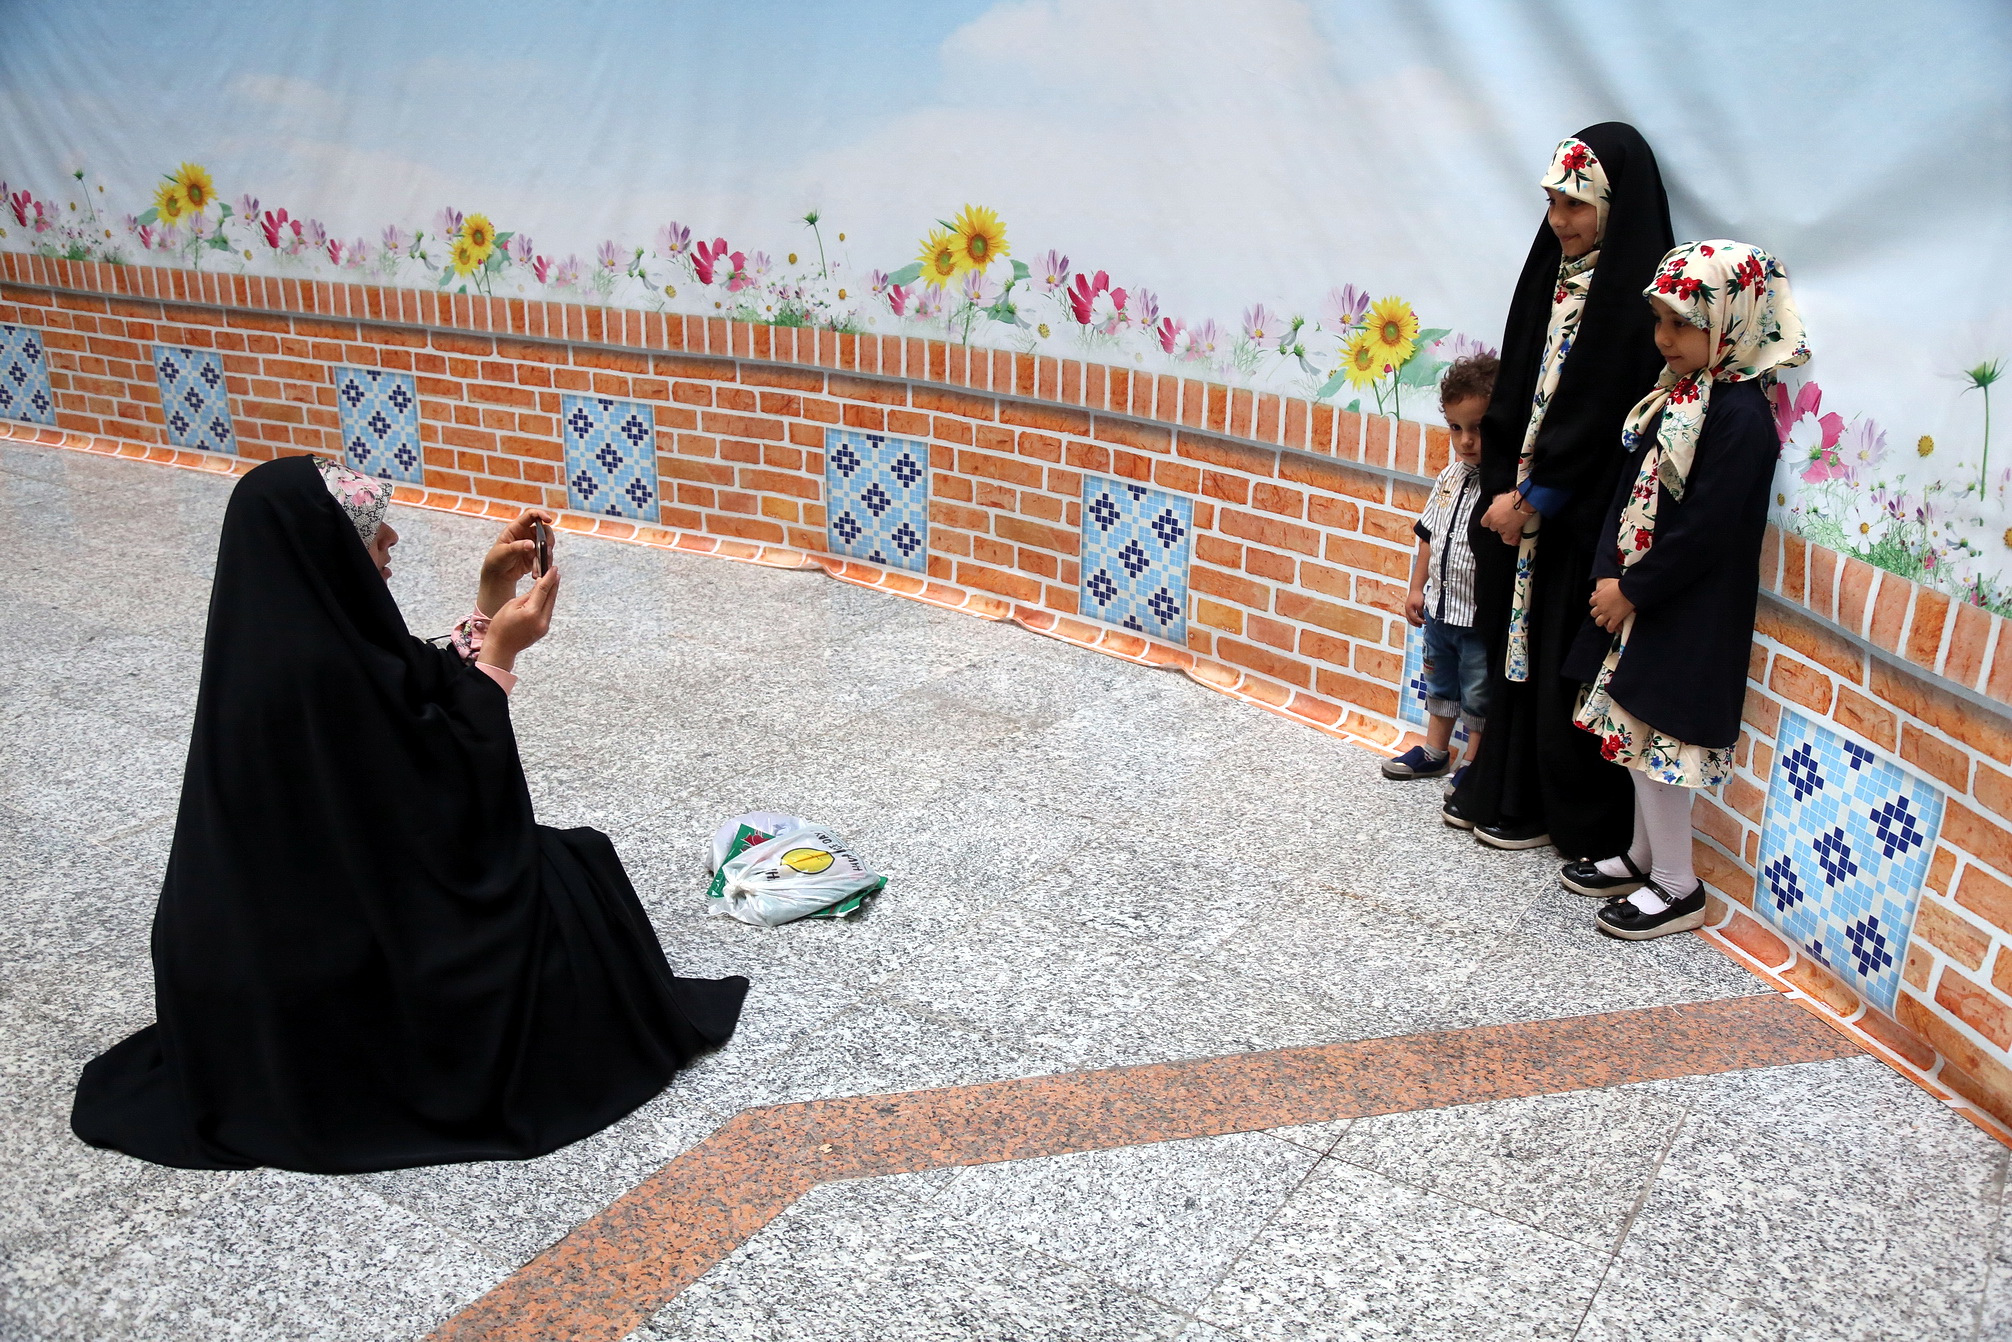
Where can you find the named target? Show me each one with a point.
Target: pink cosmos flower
(897, 300)
(334, 249)
(672, 240)
(876, 283)
(609, 255)
(1862, 448)
(1053, 271)
(520, 249)
(928, 302)
(273, 225)
(737, 278)
(706, 257)
(1464, 347)
(1260, 324)
(976, 288)
(541, 268)
(358, 253)
(447, 222)
(568, 273)
(1169, 333)
(1083, 295)
(248, 206)
(1343, 308)
(395, 239)
(314, 235)
(1145, 307)
(758, 265)
(1205, 341)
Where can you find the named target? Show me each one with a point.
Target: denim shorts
(1456, 672)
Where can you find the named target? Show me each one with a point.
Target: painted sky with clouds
(1219, 154)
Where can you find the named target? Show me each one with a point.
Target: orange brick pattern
(1301, 548)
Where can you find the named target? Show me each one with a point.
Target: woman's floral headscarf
(1738, 295)
(1575, 171)
(361, 498)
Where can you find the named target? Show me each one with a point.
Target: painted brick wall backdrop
(1259, 543)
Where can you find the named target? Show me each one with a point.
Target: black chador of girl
(367, 954)
(1576, 350)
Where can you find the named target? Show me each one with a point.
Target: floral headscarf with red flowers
(363, 500)
(1575, 171)
(1739, 296)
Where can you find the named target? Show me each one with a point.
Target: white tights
(1662, 844)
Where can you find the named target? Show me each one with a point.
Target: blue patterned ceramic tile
(24, 377)
(611, 456)
(194, 402)
(876, 492)
(1135, 557)
(1411, 696)
(380, 422)
(1844, 852)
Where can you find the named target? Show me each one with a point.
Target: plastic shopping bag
(771, 868)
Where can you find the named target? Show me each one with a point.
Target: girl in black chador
(367, 954)
(1577, 348)
(1672, 611)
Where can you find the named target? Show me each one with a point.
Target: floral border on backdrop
(1928, 514)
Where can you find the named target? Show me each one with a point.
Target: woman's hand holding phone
(514, 556)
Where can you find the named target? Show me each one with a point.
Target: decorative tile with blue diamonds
(1411, 695)
(24, 376)
(1844, 852)
(380, 422)
(876, 493)
(611, 456)
(194, 402)
(1135, 557)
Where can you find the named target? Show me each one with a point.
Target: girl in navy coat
(1672, 610)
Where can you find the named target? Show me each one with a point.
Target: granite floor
(1091, 863)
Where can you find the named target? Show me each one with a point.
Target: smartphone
(541, 536)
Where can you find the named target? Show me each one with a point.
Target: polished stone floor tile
(1165, 1220)
(1575, 1165)
(863, 1262)
(1353, 1255)
(1638, 1304)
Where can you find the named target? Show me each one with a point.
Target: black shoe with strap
(1584, 877)
(1620, 918)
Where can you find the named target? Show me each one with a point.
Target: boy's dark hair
(1469, 375)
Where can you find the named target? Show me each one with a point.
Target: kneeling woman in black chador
(367, 954)
(1576, 351)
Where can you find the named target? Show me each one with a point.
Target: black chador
(1536, 771)
(367, 954)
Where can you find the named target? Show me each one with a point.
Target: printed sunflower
(467, 260)
(1393, 329)
(981, 237)
(480, 234)
(941, 258)
(1361, 362)
(169, 200)
(197, 190)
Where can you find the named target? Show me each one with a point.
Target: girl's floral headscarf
(1738, 295)
(1575, 171)
(361, 498)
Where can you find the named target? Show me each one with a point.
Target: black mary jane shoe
(1584, 877)
(1620, 918)
(1450, 812)
(1529, 834)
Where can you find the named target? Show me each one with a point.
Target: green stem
(1984, 466)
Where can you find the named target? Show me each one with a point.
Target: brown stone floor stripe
(615, 1269)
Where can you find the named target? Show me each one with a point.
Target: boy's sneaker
(1584, 877)
(1416, 762)
(1620, 918)
(1452, 784)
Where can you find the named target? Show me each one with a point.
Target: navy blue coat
(1685, 670)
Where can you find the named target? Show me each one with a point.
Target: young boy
(1441, 599)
